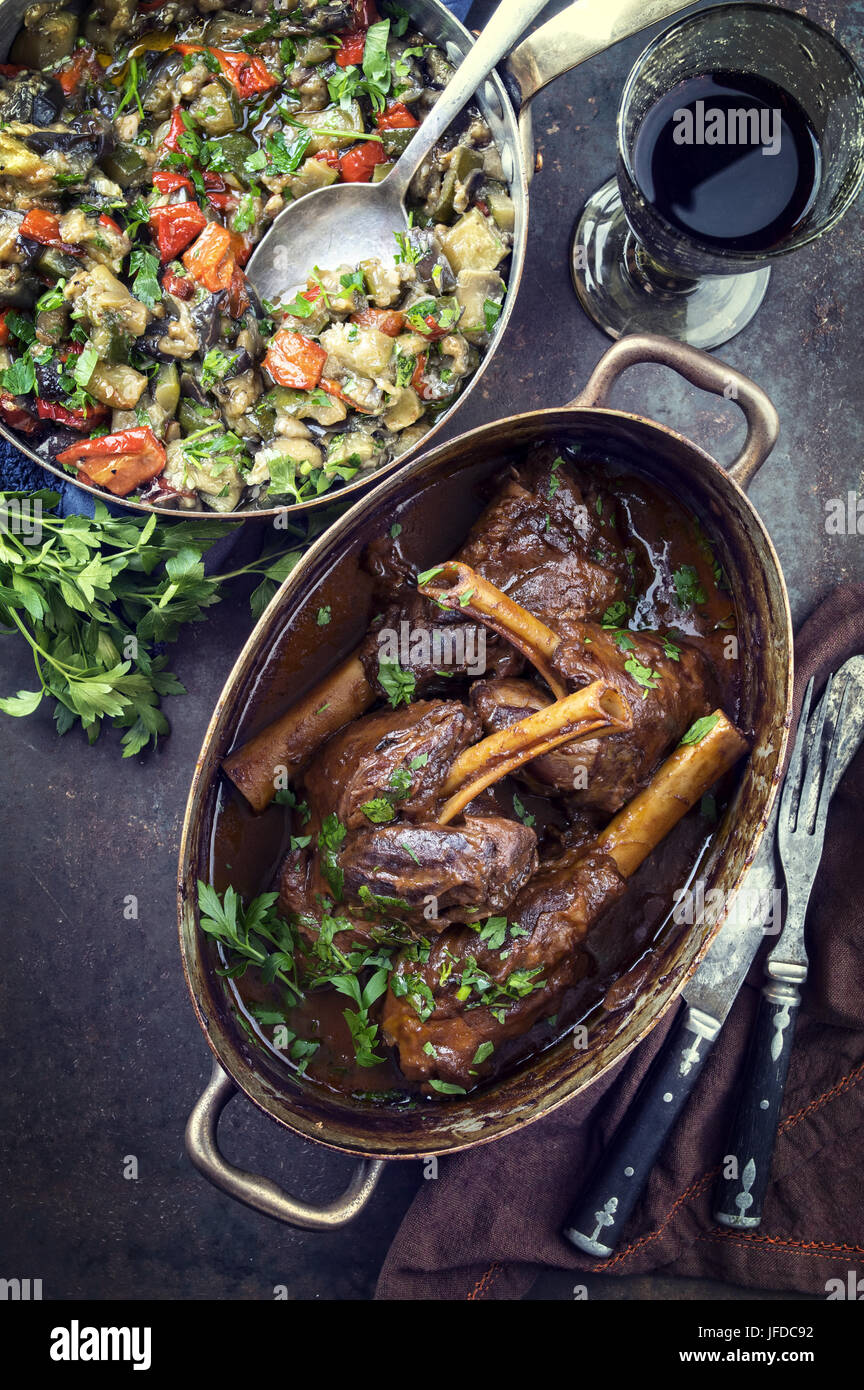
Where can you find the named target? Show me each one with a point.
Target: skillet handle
(202, 1146)
(704, 371)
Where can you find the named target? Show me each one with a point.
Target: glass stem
(652, 277)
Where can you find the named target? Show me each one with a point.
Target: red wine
(730, 159)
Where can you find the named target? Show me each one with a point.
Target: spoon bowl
(340, 225)
(350, 222)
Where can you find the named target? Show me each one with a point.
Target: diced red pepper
(334, 389)
(178, 285)
(175, 130)
(211, 259)
(110, 223)
(71, 74)
(238, 295)
(294, 360)
(389, 321)
(4, 329)
(396, 117)
(69, 350)
(168, 182)
(223, 201)
(16, 416)
(351, 52)
(41, 226)
(44, 227)
(147, 6)
(483, 206)
(417, 378)
(245, 72)
(175, 227)
(78, 419)
(118, 462)
(330, 157)
(10, 69)
(357, 163)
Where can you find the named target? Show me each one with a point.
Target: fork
(810, 783)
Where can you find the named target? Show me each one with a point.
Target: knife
(596, 1223)
(825, 745)
(616, 1185)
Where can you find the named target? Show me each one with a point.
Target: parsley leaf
(697, 731)
(143, 266)
(398, 685)
(687, 587)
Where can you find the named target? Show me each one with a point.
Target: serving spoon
(350, 222)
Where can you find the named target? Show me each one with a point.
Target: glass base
(624, 291)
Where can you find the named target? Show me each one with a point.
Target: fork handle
(738, 1199)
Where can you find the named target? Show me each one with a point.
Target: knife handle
(619, 1178)
(738, 1200)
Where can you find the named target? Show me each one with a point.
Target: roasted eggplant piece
(87, 138)
(32, 98)
(18, 288)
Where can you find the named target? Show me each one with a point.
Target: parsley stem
(69, 671)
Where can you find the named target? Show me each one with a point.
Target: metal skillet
(578, 33)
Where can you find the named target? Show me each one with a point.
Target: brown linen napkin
(488, 1225)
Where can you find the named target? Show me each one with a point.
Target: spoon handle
(497, 37)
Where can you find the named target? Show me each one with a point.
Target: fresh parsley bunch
(95, 599)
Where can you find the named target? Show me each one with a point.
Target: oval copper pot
(582, 30)
(435, 499)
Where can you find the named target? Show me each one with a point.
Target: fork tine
(789, 798)
(828, 779)
(812, 783)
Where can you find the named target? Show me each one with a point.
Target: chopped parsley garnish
(491, 313)
(615, 613)
(20, 378)
(697, 731)
(145, 286)
(642, 675)
(519, 810)
(330, 840)
(398, 685)
(687, 587)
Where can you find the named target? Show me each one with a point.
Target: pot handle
(578, 33)
(704, 371)
(202, 1146)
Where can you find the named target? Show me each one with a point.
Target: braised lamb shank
(409, 840)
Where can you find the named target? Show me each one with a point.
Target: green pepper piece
(501, 206)
(55, 264)
(442, 209)
(228, 155)
(124, 165)
(395, 142)
(264, 415)
(464, 161)
(166, 388)
(192, 417)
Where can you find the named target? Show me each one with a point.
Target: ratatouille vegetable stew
(144, 150)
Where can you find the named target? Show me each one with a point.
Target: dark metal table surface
(102, 1054)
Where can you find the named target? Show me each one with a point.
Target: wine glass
(707, 196)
